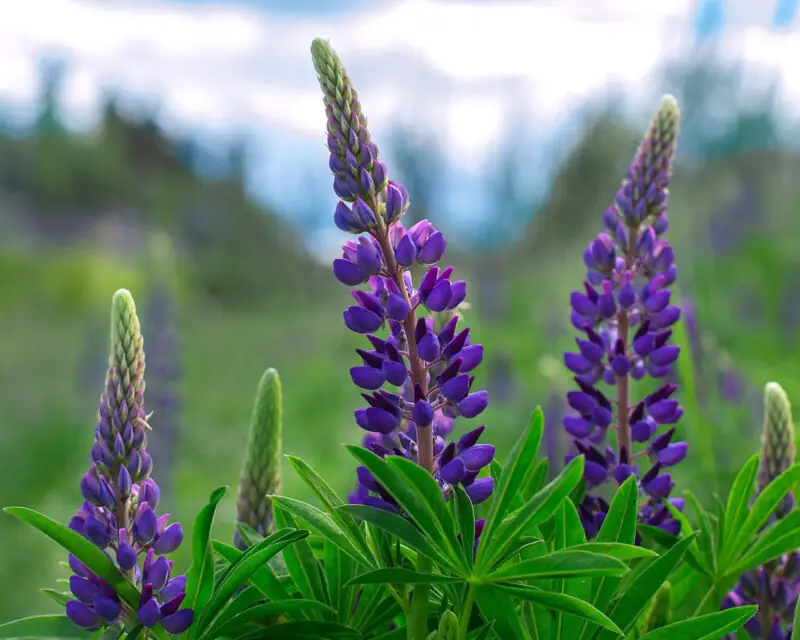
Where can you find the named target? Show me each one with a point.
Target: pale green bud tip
(778, 449)
(122, 305)
(669, 109)
(126, 333)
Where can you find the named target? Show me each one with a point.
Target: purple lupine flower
(774, 586)
(624, 314)
(432, 365)
(120, 498)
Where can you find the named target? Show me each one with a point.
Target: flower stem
(418, 371)
(466, 611)
(623, 382)
(418, 613)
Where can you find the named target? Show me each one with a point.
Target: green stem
(466, 612)
(418, 613)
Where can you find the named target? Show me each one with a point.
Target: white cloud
(224, 66)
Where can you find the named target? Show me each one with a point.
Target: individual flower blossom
(417, 374)
(774, 587)
(261, 473)
(624, 313)
(118, 513)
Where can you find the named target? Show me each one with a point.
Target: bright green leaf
(50, 626)
(200, 577)
(99, 563)
(396, 575)
(708, 627)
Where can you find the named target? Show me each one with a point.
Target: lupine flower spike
(430, 365)
(261, 473)
(774, 586)
(624, 314)
(118, 514)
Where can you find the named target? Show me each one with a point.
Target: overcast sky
(450, 65)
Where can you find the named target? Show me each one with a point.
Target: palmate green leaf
(485, 632)
(381, 614)
(200, 577)
(264, 579)
(568, 531)
(693, 552)
(260, 612)
(248, 535)
(526, 547)
(331, 501)
(49, 626)
(372, 601)
(708, 627)
(411, 487)
(563, 603)
(323, 525)
(395, 634)
(744, 486)
(339, 568)
(538, 509)
(97, 561)
(667, 541)
(429, 489)
(400, 527)
(515, 471)
(707, 542)
(241, 571)
(764, 506)
(496, 472)
(535, 480)
(465, 515)
(616, 550)
(249, 597)
(632, 601)
(560, 564)
(303, 566)
(619, 526)
(396, 575)
(498, 606)
(779, 538)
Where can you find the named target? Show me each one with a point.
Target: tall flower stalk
(774, 587)
(435, 363)
(118, 514)
(625, 315)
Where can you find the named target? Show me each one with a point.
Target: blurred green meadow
(81, 217)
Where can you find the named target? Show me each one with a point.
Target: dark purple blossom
(624, 313)
(428, 364)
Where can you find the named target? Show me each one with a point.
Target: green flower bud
(261, 472)
(777, 438)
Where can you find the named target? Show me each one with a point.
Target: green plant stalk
(466, 612)
(418, 613)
